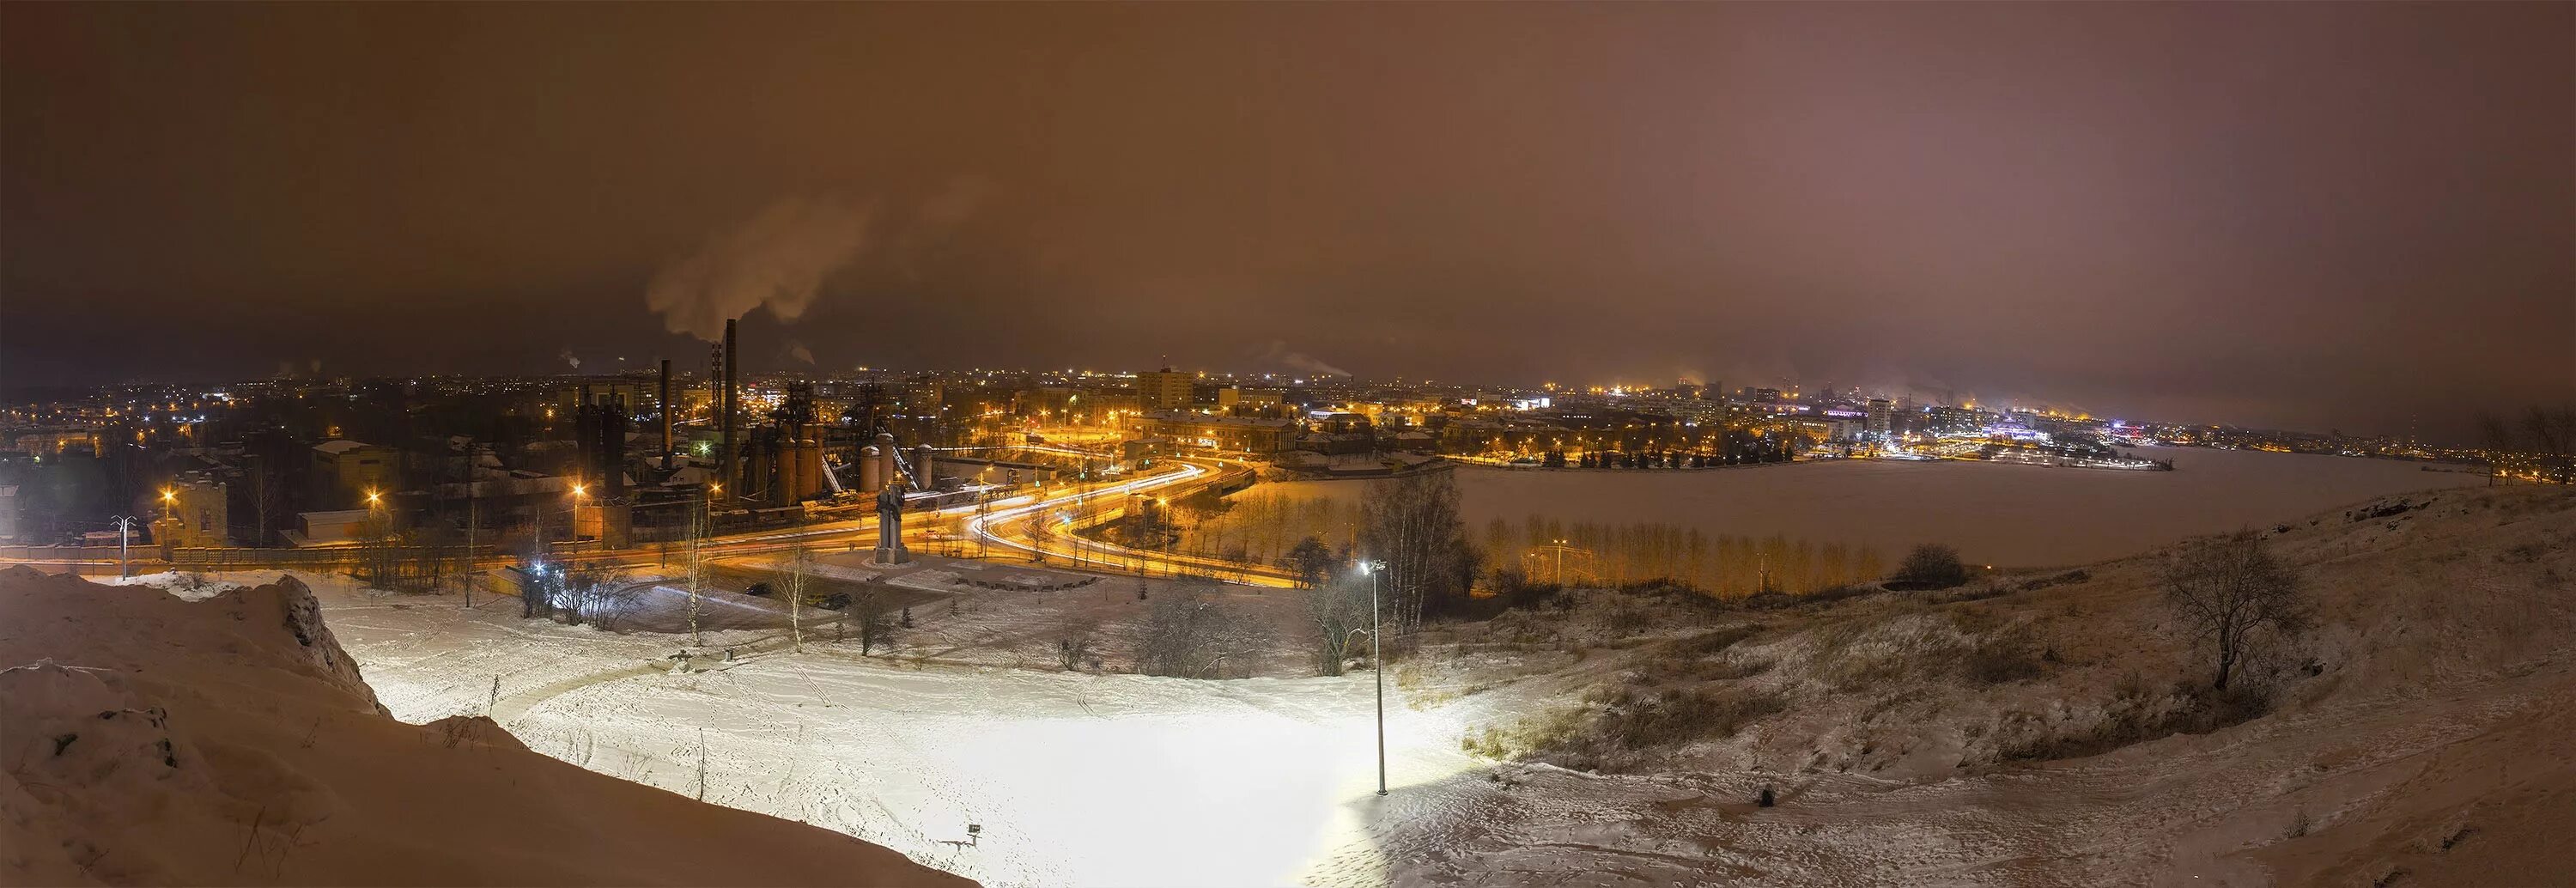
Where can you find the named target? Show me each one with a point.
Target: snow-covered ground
(229, 739)
(2419, 728)
(1075, 778)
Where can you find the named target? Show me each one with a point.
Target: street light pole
(124, 528)
(1377, 665)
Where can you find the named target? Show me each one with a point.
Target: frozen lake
(2007, 515)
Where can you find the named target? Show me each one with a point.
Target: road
(1012, 523)
(1047, 530)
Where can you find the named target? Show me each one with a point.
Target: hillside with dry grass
(2048, 728)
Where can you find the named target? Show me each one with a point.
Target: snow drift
(147, 739)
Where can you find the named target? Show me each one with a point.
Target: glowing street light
(1377, 665)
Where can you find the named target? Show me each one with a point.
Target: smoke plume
(568, 359)
(778, 259)
(798, 351)
(1297, 360)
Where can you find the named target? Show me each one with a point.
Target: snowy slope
(2422, 732)
(149, 739)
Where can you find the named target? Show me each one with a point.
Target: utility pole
(697, 538)
(470, 519)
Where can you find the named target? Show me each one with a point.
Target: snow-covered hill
(146, 739)
(2047, 729)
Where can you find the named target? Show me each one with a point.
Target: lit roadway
(1019, 527)
(1009, 523)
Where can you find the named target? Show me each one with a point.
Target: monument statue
(890, 525)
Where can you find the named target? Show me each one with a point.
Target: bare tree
(797, 563)
(592, 593)
(2497, 438)
(1411, 525)
(610, 600)
(1337, 610)
(1073, 642)
(2555, 432)
(2546, 429)
(1194, 635)
(872, 609)
(2232, 590)
(1310, 560)
(379, 553)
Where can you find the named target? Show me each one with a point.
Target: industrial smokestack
(663, 407)
(732, 371)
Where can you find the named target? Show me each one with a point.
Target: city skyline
(2267, 216)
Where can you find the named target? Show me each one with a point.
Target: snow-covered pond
(2002, 514)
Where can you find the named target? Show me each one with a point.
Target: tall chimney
(663, 407)
(732, 376)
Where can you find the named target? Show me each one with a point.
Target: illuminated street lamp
(1377, 665)
(577, 491)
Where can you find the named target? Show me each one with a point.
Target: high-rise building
(1164, 389)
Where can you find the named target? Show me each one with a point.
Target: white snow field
(2417, 733)
(1075, 778)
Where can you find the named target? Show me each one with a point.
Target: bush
(1716, 641)
(1524, 735)
(2134, 715)
(2002, 658)
(1934, 566)
(1194, 636)
(1673, 717)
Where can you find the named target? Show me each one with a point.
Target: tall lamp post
(577, 491)
(124, 529)
(1377, 665)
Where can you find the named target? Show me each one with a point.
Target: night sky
(2355, 216)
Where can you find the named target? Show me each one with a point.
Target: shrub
(1675, 716)
(1194, 636)
(1524, 735)
(1715, 641)
(1933, 565)
(2002, 658)
(2135, 716)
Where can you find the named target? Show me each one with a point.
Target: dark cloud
(2348, 215)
